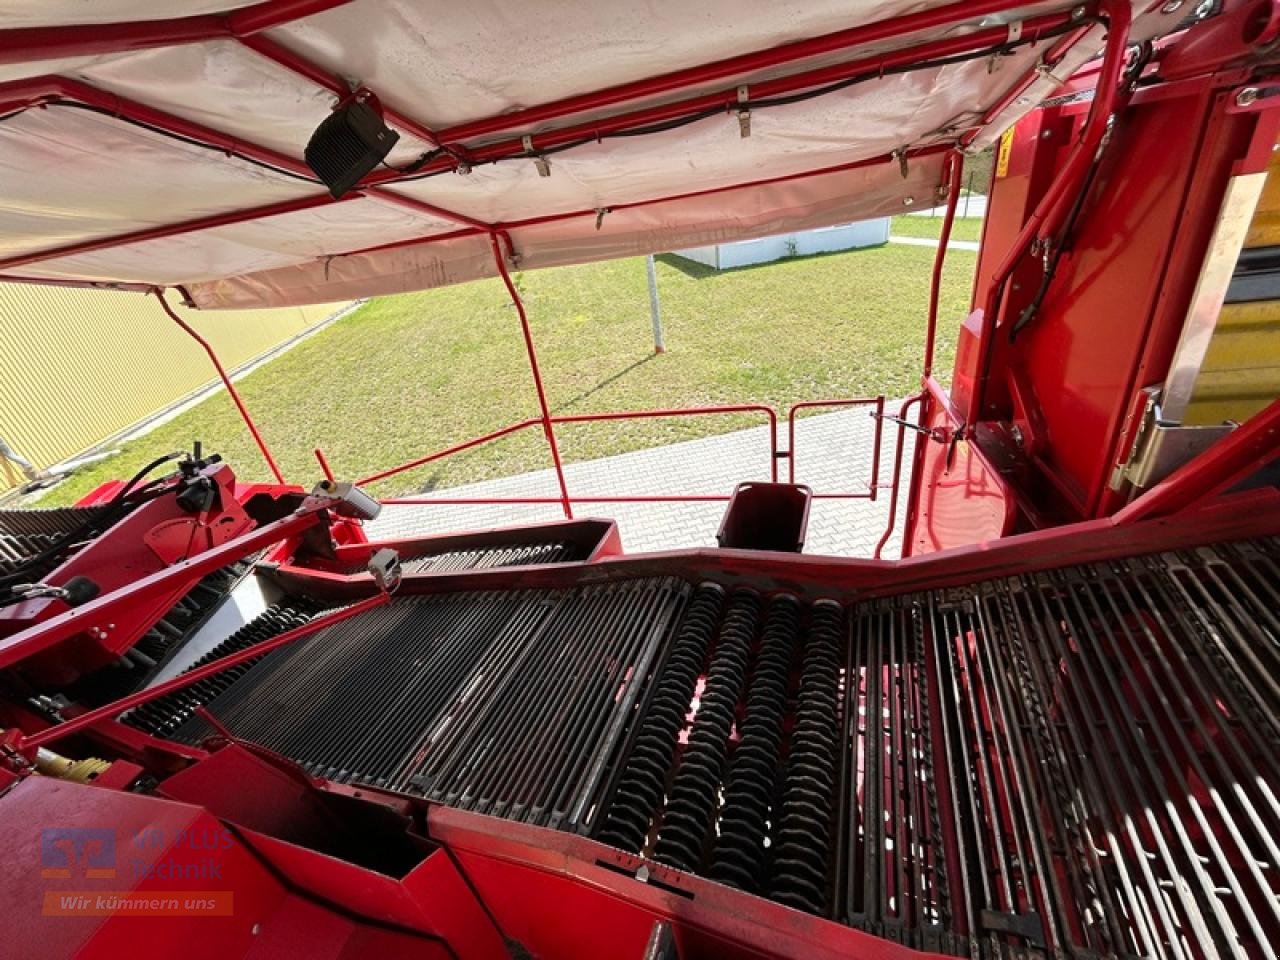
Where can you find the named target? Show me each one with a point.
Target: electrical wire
(116, 507)
(1133, 75)
(769, 102)
(417, 164)
(171, 135)
(409, 174)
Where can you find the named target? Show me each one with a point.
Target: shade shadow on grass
(700, 271)
(612, 378)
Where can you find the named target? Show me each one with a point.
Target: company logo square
(88, 852)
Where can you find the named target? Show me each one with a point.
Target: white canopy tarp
(71, 177)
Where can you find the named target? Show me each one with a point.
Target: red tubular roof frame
(37, 92)
(28, 44)
(1052, 57)
(615, 207)
(300, 65)
(18, 95)
(175, 229)
(728, 99)
(961, 12)
(307, 203)
(243, 24)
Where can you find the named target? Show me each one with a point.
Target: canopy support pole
(655, 310)
(547, 428)
(226, 382)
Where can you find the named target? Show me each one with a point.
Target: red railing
(878, 413)
(767, 412)
(870, 491)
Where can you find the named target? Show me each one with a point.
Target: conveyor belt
(1082, 762)
(164, 715)
(25, 533)
(485, 558)
(510, 703)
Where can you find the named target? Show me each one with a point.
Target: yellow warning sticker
(1002, 155)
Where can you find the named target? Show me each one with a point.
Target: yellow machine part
(78, 771)
(1241, 370)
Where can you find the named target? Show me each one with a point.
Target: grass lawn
(410, 374)
(964, 228)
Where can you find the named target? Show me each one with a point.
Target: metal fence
(77, 366)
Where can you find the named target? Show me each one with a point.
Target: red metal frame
(548, 430)
(1052, 57)
(1052, 206)
(284, 57)
(26, 93)
(509, 225)
(446, 452)
(226, 382)
(39, 91)
(896, 483)
(43, 635)
(726, 99)
(767, 411)
(733, 66)
(175, 229)
(324, 464)
(27, 44)
(953, 172)
(878, 413)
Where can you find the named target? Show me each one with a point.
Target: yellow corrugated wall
(77, 366)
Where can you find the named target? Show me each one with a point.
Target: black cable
(1051, 268)
(676, 123)
(1132, 75)
(417, 164)
(647, 130)
(116, 507)
(181, 138)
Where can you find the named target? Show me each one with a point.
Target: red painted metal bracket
(66, 625)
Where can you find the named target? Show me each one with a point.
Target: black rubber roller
(802, 844)
(739, 851)
(640, 788)
(695, 791)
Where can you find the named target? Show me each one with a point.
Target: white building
(849, 236)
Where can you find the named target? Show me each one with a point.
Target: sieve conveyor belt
(1078, 762)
